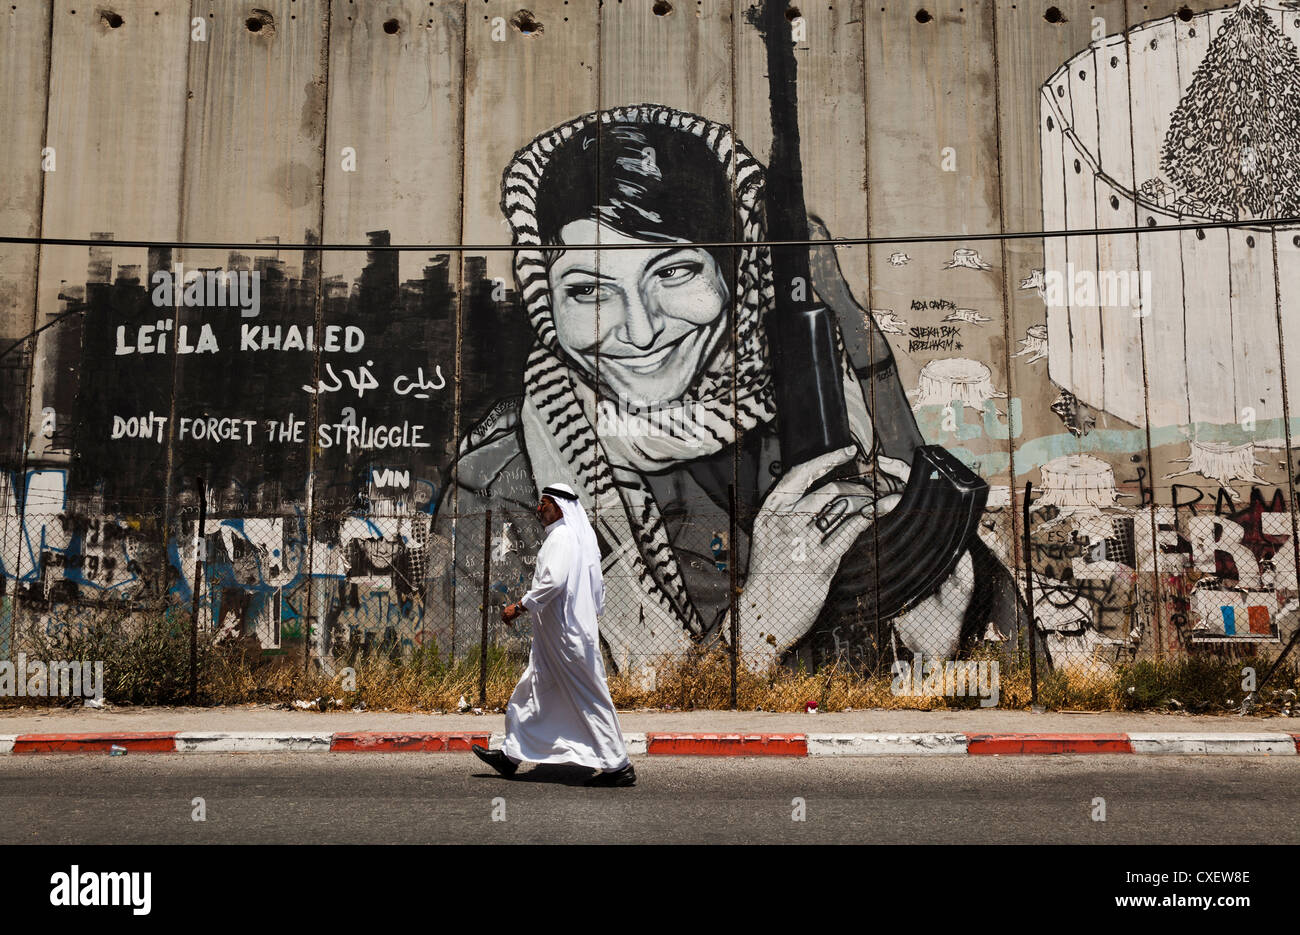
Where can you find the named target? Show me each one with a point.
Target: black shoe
(496, 759)
(620, 777)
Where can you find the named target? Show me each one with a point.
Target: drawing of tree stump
(949, 379)
(967, 258)
(1077, 482)
(1222, 462)
(1033, 344)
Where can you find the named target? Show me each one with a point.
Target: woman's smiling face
(650, 319)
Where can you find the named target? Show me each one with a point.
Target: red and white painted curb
(663, 743)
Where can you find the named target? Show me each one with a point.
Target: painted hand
(933, 627)
(798, 540)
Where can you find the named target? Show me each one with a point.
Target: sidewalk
(259, 728)
(266, 718)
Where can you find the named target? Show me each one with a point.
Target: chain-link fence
(869, 590)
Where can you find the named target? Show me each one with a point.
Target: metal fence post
(200, 548)
(483, 641)
(731, 591)
(1029, 600)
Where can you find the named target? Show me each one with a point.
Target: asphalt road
(449, 798)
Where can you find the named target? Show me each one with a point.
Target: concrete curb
(1175, 743)
(140, 742)
(887, 744)
(668, 744)
(253, 742)
(696, 744)
(1020, 744)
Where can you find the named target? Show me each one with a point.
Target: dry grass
(146, 662)
(703, 680)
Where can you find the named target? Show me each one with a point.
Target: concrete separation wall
(346, 429)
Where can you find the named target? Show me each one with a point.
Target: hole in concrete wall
(1185, 14)
(526, 23)
(1078, 167)
(1050, 123)
(260, 22)
(1151, 222)
(1114, 202)
(392, 26)
(1200, 234)
(112, 19)
(923, 16)
(1054, 15)
(662, 8)
(1295, 241)
(1114, 61)
(1250, 241)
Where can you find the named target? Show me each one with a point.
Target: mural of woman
(649, 390)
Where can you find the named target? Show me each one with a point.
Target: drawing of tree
(1234, 142)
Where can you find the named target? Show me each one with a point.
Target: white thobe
(561, 710)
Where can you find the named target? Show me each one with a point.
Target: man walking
(561, 710)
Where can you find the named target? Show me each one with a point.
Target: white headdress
(575, 517)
